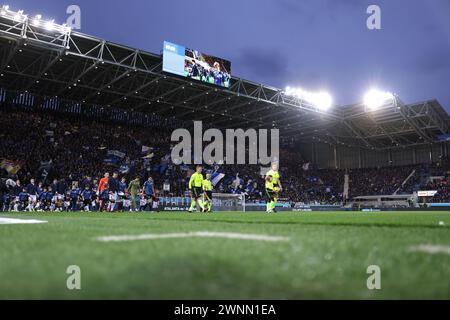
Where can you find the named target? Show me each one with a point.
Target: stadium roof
(54, 61)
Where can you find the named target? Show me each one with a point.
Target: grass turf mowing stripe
(198, 234)
(428, 248)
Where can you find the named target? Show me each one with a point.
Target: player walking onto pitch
(133, 189)
(207, 191)
(273, 187)
(196, 188)
(149, 191)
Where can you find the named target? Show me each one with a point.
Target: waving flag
(12, 167)
(216, 177)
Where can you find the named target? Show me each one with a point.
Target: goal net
(227, 202)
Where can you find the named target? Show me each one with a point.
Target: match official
(207, 189)
(196, 188)
(273, 187)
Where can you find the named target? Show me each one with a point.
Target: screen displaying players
(195, 65)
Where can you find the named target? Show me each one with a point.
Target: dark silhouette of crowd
(439, 181)
(379, 181)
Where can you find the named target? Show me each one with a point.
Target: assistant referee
(196, 188)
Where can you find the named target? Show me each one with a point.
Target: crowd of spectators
(73, 149)
(439, 180)
(379, 181)
(76, 149)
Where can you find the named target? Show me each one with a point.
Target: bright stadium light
(321, 100)
(50, 25)
(37, 20)
(4, 9)
(375, 98)
(19, 15)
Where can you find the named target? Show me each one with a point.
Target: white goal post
(227, 202)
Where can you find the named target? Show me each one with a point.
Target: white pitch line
(20, 221)
(433, 249)
(198, 234)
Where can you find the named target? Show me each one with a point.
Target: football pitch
(230, 255)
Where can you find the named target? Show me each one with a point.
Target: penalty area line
(196, 234)
(429, 248)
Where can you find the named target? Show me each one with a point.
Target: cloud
(269, 66)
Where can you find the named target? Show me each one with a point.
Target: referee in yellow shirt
(207, 191)
(273, 187)
(196, 188)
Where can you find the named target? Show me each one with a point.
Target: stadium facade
(44, 64)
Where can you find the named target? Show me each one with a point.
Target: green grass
(326, 257)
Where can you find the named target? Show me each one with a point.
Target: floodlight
(50, 25)
(4, 10)
(375, 98)
(321, 100)
(37, 20)
(18, 16)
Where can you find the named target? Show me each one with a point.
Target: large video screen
(196, 65)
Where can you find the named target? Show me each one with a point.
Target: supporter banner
(116, 153)
(149, 156)
(113, 157)
(11, 166)
(146, 149)
(428, 193)
(44, 170)
(216, 177)
(124, 169)
(111, 161)
(237, 182)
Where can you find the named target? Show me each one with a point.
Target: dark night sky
(315, 44)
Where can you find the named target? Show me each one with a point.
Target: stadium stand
(76, 151)
(74, 106)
